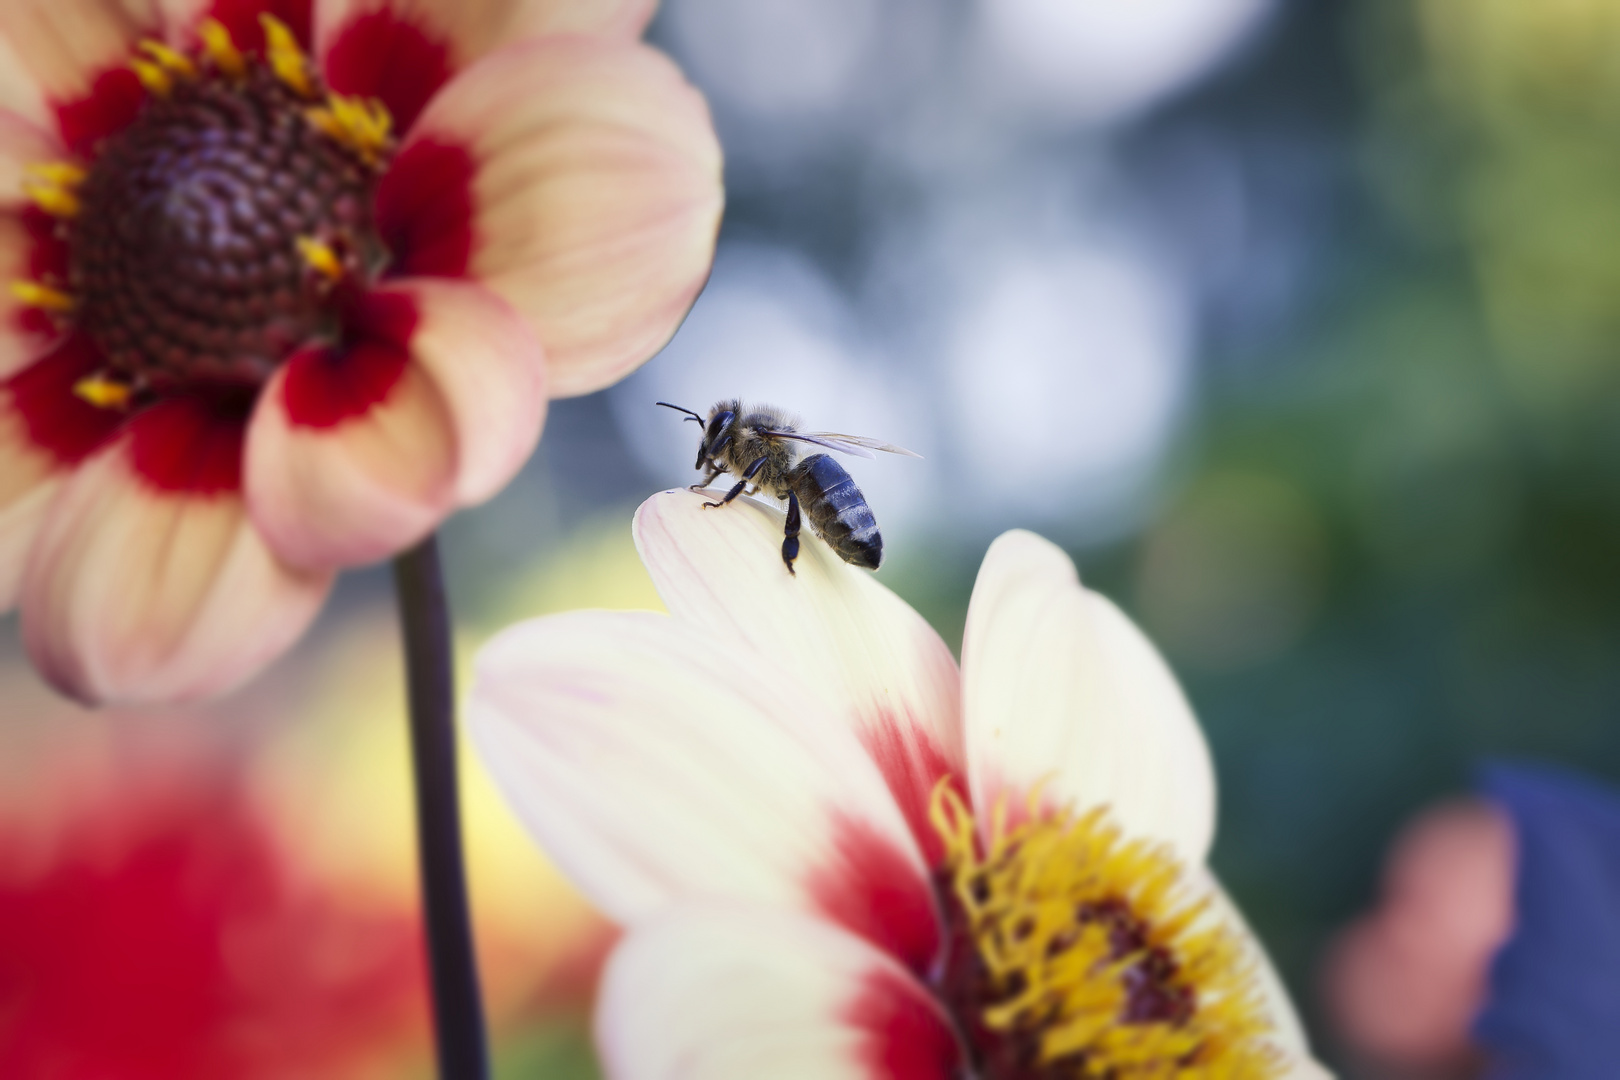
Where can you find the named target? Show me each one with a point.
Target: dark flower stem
(458, 1011)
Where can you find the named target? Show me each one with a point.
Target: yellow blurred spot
(103, 393)
(221, 49)
(285, 57)
(167, 59)
(156, 80)
(320, 258)
(33, 294)
(361, 124)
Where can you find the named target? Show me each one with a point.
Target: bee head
(716, 431)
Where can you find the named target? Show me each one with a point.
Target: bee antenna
(690, 415)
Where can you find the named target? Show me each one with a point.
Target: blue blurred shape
(1553, 1010)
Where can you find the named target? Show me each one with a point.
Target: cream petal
(133, 593)
(655, 762)
(354, 456)
(869, 658)
(22, 143)
(594, 195)
(28, 478)
(1288, 1032)
(64, 45)
(1059, 688)
(722, 992)
(467, 29)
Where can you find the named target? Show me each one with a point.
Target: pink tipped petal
(1060, 688)
(487, 364)
(28, 477)
(871, 659)
(65, 46)
(594, 198)
(358, 452)
(136, 593)
(722, 992)
(656, 762)
(22, 143)
(402, 51)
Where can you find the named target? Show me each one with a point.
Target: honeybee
(756, 445)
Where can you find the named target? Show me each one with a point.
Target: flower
(156, 931)
(833, 848)
(288, 281)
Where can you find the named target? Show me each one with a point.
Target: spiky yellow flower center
(1078, 954)
(218, 231)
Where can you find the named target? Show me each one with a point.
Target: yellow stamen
(320, 258)
(361, 124)
(1074, 925)
(221, 49)
(58, 173)
(169, 60)
(156, 80)
(56, 200)
(35, 295)
(103, 393)
(286, 59)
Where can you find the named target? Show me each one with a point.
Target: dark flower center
(191, 256)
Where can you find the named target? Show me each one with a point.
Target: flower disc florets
(209, 238)
(1078, 955)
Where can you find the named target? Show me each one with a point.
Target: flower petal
(25, 333)
(22, 143)
(356, 453)
(65, 46)
(139, 590)
(722, 992)
(585, 190)
(1060, 688)
(403, 51)
(656, 762)
(871, 659)
(28, 477)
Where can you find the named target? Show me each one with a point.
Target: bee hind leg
(790, 535)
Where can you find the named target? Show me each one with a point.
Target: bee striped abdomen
(837, 510)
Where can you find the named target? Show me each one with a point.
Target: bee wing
(856, 444)
(831, 442)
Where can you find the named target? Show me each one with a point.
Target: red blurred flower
(157, 934)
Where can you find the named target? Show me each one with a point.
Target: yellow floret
(286, 59)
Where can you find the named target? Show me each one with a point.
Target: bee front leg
(737, 489)
(714, 471)
(790, 535)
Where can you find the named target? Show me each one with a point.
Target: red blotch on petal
(425, 209)
(156, 934)
(398, 61)
(906, 1038)
(873, 890)
(241, 18)
(115, 97)
(56, 419)
(190, 444)
(912, 763)
(325, 386)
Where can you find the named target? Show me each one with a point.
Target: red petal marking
(116, 95)
(425, 209)
(874, 891)
(58, 420)
(189, 444)
(241, 18)
(48, 252)
(399, 61)
(912, 762)
(906, 1037)
(326, 386)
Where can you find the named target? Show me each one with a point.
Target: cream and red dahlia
(838, 855)
(284, 282)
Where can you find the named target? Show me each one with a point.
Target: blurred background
(1292, 319)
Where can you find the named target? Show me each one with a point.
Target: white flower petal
(590, 177)
(1288, 1032)
(721, 992)
(22, 143)
(133, 593)
(1060, 688)
(871, 659)
(63, 45)
(656, 762)
(355, 455)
